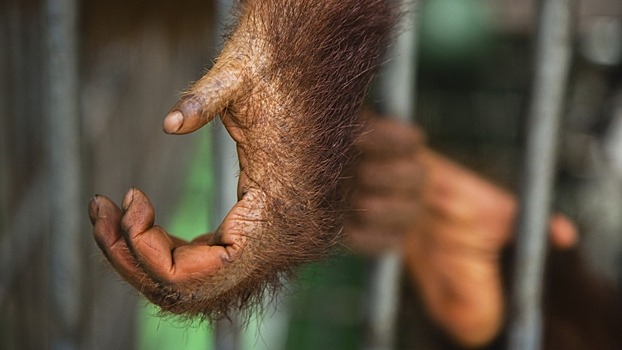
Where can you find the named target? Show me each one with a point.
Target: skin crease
(288, 86)
(450, 224)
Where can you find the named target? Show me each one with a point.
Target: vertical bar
(63, 152)
(226, 331)
(384, 292)
(552, 60)
(397, 88)
(397, 83)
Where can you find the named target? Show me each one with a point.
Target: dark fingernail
(93, 209)
(129, 198)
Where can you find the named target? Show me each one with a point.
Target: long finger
(106, 219)
(377, 212)
(402, 177)
(158, 253)
(388, 138)
(369, 240)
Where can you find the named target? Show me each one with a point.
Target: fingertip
(128, 199)
(136, 196)
(105, 217)
(564, 233)
(100, 207)
(93, 209)
(173, 122)
(187, 115)
(389, 138)
(138, 213)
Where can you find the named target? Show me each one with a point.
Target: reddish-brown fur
(288, 86)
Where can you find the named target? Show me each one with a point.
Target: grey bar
(397, 90)
(552, 60)
(397, 80)
(63, 152)
(384, 298)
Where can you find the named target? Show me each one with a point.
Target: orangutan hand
(450, 224)
(288, 86)
(170, 272)
(453, 251)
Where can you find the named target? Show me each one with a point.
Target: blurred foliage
(328, 307)
(454, 32)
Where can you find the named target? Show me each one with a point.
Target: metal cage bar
(552, 61)
(397, 90)
(65, 177)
